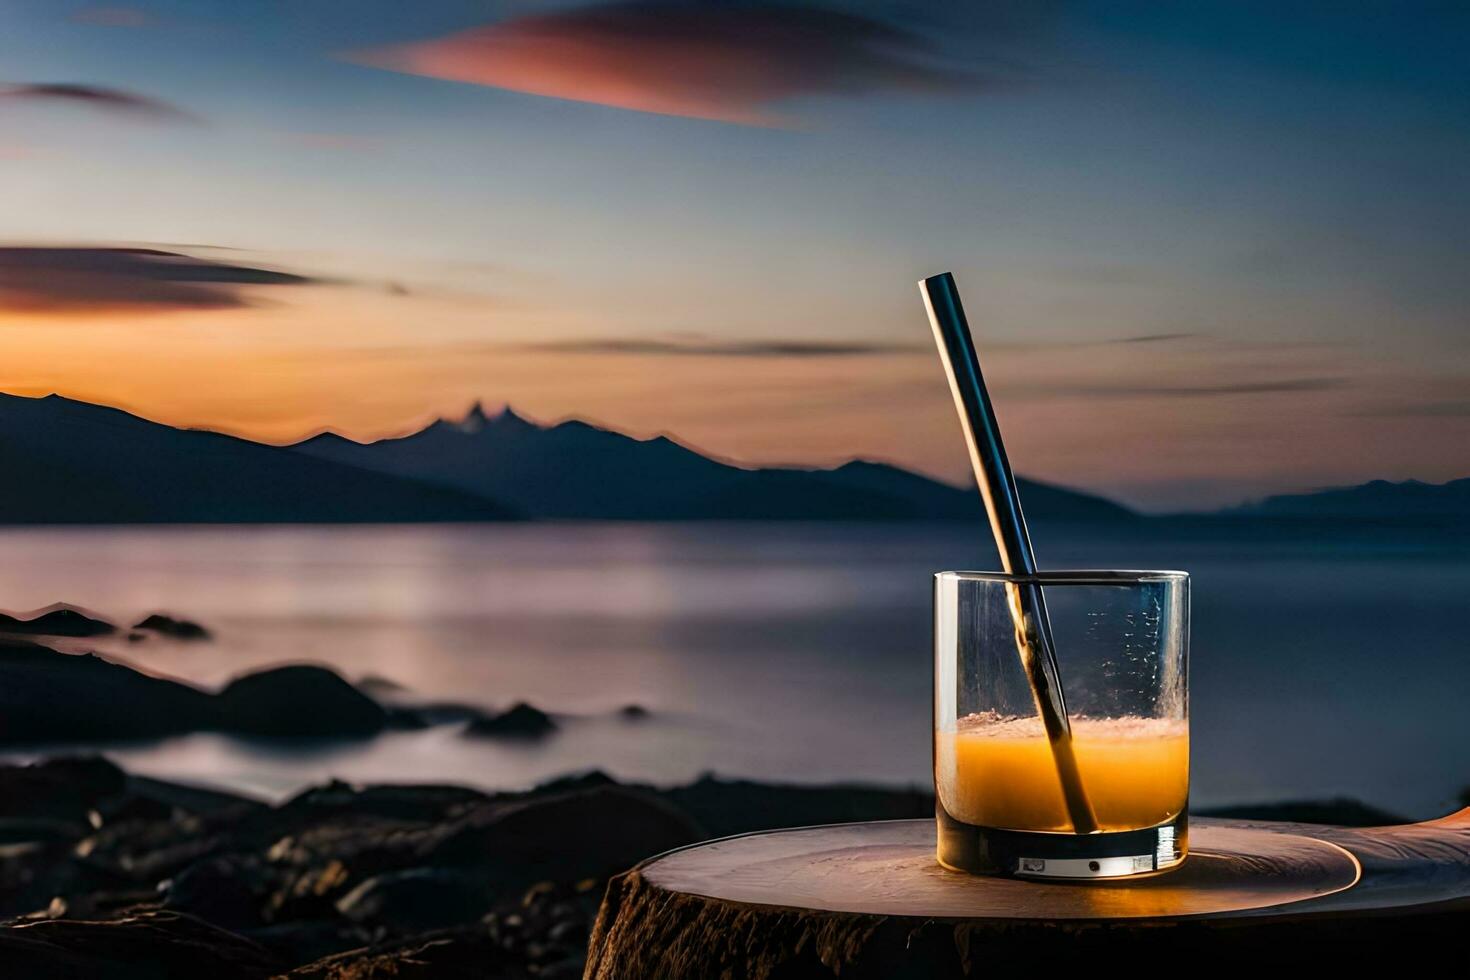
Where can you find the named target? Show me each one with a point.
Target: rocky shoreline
(108, 874)
(50, 697)
(105, 874)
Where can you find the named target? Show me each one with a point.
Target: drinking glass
(1122, 652)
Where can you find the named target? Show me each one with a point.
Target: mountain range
(574, 470)
(1410, 500)
(67, 461)
(64, 461)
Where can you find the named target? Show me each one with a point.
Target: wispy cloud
(45, 279)
(1151, 338)
(718, 348)
(1103, 390)
(96, 97)
(733, 62)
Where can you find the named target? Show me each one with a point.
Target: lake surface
(772, 651)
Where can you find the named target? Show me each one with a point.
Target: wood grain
(868, 900)
(889, 869)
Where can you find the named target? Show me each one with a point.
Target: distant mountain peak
(477, 420)
(474, 420)
(510, 417)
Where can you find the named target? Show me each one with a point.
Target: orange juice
(993, 772)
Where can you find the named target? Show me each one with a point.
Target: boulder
(225, 890)
(49, 696)
(393, 801)
(299, 700)
(178, 629)
(520, 721)
(568, 837)
(724, 807)
(308, 893)
(65, 788)
(418, 900)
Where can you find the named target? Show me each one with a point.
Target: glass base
(1032, 854)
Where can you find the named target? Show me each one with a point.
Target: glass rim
(1085, 576)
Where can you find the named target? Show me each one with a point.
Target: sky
(1210, 251)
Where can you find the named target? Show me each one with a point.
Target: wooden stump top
(888, 868)
(869, 901)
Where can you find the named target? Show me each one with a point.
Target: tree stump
(868, 900)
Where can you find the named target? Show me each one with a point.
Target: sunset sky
(1210, 250)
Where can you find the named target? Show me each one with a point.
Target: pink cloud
(729, 62)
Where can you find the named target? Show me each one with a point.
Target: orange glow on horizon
(1097, 417)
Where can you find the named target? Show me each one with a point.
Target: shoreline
(94, 859)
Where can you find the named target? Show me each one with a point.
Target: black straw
(1003, 504)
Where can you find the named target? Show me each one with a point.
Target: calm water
(792, 652)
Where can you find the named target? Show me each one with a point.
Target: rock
(590, 779)
(568, 933)
(570, 968)
(224, 890)
(57, 620)
(49, 696)
(178, 629)
(66, 788)
(20, 830)
(633, 712)
(405, 720)
(130, 807)
(298, 700)
(148, 945)
(149, 852)
(192, 799)
(593, 833)
(393, 801)
(368, 881)
(309, 894)
(418, 900)
(309, 940)
(522, 720)
(725, 807)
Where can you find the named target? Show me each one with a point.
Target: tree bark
(868, 901)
